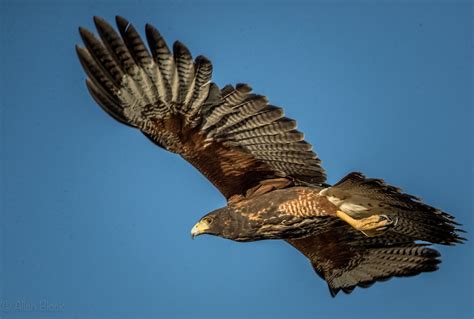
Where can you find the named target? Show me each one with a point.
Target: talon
(395, 222)
(390, 221)
(370, 226)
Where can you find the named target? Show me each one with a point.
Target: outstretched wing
(347, 259)
(235, 138)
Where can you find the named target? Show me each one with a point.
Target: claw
(370, 226)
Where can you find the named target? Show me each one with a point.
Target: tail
(346, 258)
(361, 197)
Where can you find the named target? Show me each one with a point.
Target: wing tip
(181, 50)
(98, 20)
(86, 35)
(102, 26)
(149, 28)
(119, 20)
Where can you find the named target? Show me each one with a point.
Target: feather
(148, 77)
(101, 57)
(346, 259)
(285, 137)
(298, 146)
(185, 68)
(230, 98)
(102, 81)
(162, 56)
(248, 108)
(278, 127)
(360, 196)
(266, 116)
(106, 103)
(201, 85)
(229, 134)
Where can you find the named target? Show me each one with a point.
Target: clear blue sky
(97, 218)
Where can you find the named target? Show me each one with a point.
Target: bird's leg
(370, 226)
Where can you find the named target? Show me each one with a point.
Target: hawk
(354, 233)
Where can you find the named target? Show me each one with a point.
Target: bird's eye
(208, 220)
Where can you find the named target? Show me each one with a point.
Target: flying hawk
(355, 232)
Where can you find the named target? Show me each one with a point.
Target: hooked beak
(200, 228)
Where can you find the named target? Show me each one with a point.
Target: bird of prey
(354, 233)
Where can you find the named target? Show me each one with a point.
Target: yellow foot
(371, 226)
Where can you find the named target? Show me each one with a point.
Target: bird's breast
(306, 202)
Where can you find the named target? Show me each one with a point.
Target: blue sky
(95, 218)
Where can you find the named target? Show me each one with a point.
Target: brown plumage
(354, 233)
(230, 135)
(346, 259)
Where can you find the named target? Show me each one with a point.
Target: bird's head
(229, 222)
(217, 223)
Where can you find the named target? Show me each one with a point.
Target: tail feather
(360, 197)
